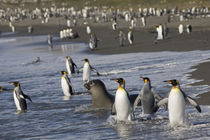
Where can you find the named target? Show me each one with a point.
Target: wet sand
(202, 73)
(144, 40)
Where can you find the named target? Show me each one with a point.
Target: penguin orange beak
(116, 80)
(168, 82)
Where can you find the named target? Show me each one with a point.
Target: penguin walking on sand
(181, 28)
(87, 70)
(19, 97)
(189, 28)
(159, 32)
(88, 30)
(93, 42)
(122, 105)
(70, 65)
(121, 38)
(176, 104)
(114, 25)
(148, 98)
(130, 37)
(66, 84)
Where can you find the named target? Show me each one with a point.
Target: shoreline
(144, 41)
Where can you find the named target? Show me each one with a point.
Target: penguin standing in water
(130, 37)
(66, 84)
(147, 97)
(93, 42)
(49, 41)
(70, 65)
(122, 105)
(86, 71)
(176, 103)
(19, 97)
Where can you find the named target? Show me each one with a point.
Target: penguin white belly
(176, 107)
(17, 103)
(91, 45)
(65, 87)
(129, 38)
(122, 105)
(86, 73)
(68, 68)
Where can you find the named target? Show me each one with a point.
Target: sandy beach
(144, 40)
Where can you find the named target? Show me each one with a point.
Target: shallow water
(52, 116)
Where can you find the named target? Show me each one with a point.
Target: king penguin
(70, 65)
(130, 37)
(66, 84)
(147, 97)
(93, 42)
(19, 97)
(176, 103)
(122, 105)
(86, 70)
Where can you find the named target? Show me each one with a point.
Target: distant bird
(49, 40)
(87, 70)
(114, 25)
(147, 97)
(88, 29)
(70, 65)
(130, 37)
(181, 28)
(66, 84)
(176, 103)
(122, 105)
(93, 42)
(189, 28)
(121, 38)
(159, 30)
(19, 96)
(30, 29)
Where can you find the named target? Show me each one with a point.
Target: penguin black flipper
(133, 98)
(193, 103)
(27, 97)
(69, 83)
(93, 69)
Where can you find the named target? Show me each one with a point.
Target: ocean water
(52, 116)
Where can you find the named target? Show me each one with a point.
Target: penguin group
(121, 104)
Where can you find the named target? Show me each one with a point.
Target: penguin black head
(63, 72)
(16, 83)
(67, 57)
(121, 81)
(173, 82)
(145, 79)
(1, 89)
(86, 60)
